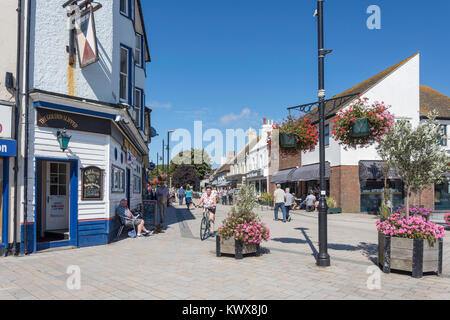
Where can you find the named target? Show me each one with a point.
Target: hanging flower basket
(361, 124)
(297, 135)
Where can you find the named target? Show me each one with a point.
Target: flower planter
(412, 255)
(235, 247)
(360, 128)
(334, 210)
(287, 140)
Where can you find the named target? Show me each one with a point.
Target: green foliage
(199, 160)
(267, 197)
(415, 153)
(331, 203)
(246, 203)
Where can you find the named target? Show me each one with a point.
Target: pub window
(138, 51)
(117, 180)
(138, 107)
(137, 184)
(124, 73)
(124, 7)
(91, 184)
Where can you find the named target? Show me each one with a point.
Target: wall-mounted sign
(5, 122)
(91, 183)
(255, 174)
(8, 148)
(131, 159)
(63, 120)
(86, 38)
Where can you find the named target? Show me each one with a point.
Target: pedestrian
(279, 198)
(162, 195)
(224, 196)
(214, 193)
(288, 204)
(310, 202)
(230, 196)
(188, 195)
(181, 194)
(129, 220)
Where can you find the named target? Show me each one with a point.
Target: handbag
(132, 234)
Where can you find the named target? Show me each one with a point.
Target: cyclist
(208, 200)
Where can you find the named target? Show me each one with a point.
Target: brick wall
(345, 188)
(424, 198)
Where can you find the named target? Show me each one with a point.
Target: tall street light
(162, 169)
(323, 259)
(168, 150)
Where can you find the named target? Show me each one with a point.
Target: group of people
(284, 200)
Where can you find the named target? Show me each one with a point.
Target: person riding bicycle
(208, 200)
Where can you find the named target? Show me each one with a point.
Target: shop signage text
(92, 183)
(5, 122)
(71, 121)
(8, 148)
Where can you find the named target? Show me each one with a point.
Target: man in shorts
(129, 220)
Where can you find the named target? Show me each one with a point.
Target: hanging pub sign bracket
(82, 33)
(333, 103)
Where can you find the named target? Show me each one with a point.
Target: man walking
(230, 196)
(181, 194)
(162, 195)
(279, 198)
(288, 204)
(223, 192)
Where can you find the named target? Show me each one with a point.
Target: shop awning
(224, 184)
(310, 172)
(369, 170)
(282, 176)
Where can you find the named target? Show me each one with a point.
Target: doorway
(56, 194)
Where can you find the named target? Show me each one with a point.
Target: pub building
(89, 129)
(354, 178)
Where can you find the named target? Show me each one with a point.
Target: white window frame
(138, 51)
(127, 74)
(117, 179)
(127, 9)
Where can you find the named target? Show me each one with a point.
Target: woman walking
(188, 195)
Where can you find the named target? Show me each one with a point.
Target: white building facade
(71, 195)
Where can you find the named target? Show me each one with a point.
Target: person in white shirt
(279, 198)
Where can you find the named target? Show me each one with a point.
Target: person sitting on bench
(129, 220)
(310, 202)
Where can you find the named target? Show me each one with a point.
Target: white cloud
(158, 105)
(246, 112)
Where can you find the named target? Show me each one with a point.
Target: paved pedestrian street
(177, 265)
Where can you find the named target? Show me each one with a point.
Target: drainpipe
(27, 99)
(15, 250)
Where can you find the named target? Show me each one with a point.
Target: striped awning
(282, 176)
(310, 172)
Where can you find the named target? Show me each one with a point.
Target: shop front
(258, 180)
(442, 194)
(84, 163)
(8, 149)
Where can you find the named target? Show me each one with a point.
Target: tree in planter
(415, 153)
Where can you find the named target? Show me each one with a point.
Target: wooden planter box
(412, 255)
(334, 210)
(235, 247)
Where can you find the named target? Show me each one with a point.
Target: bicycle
(205, 225)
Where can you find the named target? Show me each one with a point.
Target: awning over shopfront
(310, 172)
(224, 184)
(372, 170)
(282, 176)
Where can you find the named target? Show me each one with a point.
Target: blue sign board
(8, 148)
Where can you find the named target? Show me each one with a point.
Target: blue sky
(230, 63)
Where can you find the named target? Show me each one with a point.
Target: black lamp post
(323, 259)
(168, 150)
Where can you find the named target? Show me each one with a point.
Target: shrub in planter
(349, 124)
(242, 231)
(332, 206)
(297, 135)
(447, 219)
(410, 244)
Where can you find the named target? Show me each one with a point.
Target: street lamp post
(162, 169)
(323, 259)
(168, 150)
